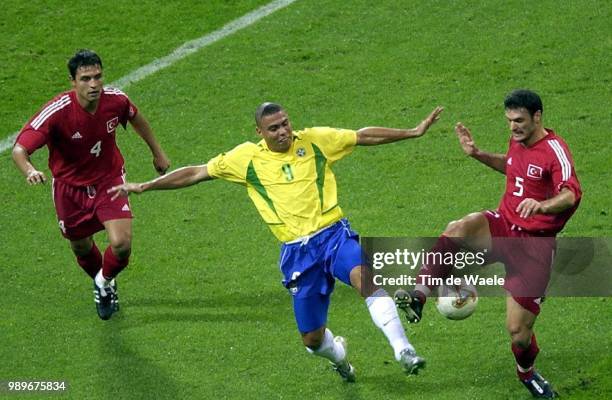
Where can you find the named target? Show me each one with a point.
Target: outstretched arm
(176, 179)
(22, 161)
(493, 160)
(371, 136)
(143, 129)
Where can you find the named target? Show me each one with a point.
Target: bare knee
(82, 247)
(313, 339)
(474, 227)
(455, 229)
(520, 334)
(121, 245)
(362, 281)
(462, 227)
(119, 236)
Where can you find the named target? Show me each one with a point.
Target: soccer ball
(457, 302)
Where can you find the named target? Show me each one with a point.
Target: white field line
(8, 142)
(183, 51)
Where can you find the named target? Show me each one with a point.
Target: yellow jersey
(294, 192)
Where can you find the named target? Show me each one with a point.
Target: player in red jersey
(78, 127)
(542, 192)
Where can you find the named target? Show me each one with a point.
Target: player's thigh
(471, 231)
(115, 215)
(311, 312)
(528, 262)
(349, 255)
(75, 213)
(119, 232)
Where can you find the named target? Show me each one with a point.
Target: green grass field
(203, 312)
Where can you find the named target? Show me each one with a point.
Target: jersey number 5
(518, 182)
(97, 148)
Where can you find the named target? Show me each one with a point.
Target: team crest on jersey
(301, 152)
(533, 171)
(111, 124)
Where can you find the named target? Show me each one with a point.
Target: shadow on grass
(230, 307)
(160, 317)
(125, 374)
(215, 301)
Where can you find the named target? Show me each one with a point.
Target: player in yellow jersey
(288, 177)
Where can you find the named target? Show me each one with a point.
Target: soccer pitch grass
(203, 313)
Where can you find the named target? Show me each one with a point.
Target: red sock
(438, 269)
(112, 265)
(92, 262)
(525, 358)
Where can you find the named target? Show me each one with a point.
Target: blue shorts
(311, 267)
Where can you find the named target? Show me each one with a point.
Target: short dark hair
(82, 58)
(524, 98)
(266, 108)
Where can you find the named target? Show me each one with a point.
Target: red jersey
(82, 147)
(539, 172)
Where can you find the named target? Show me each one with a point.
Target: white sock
(329, 349)
(101, 281)
(385, 317)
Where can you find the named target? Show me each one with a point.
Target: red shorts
(82, 210)
(528, 258)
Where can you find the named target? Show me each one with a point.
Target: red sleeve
(129, 112)
(35, 133)
(31, 139)
(562, 169)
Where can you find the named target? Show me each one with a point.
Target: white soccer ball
(457, 302)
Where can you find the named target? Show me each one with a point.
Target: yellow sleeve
(334, 143)
(232, 166)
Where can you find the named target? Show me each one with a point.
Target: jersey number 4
(97, 148)
(518, 183)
